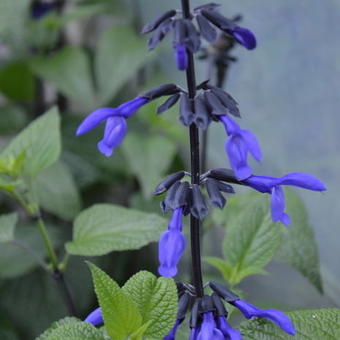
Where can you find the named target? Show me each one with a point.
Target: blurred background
(82, 55)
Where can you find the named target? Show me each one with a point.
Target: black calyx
(183, 305)
(202, 117)
(186, 114)
(223, 292)
(207, 30)
(198, 207)
(219, 20)
(207, 304)
(216, 199)
(162, 30)
(221, 174)
(152, 25)
(185, 33)
(209, 7)
(177, 196)
(195, 317)
(219, 305)
(160, 91)
(168, 182)
(227, 101)
(169, 103)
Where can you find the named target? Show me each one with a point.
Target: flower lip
(245, 37)
(95, 317)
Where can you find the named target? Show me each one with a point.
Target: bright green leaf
(120, 54)
(299, 247)
(149, 158)
(156, 300)
(69, 70)
(57, 192)
(104, 228)
(40, 142)
(222, 266)
(318, 324)
(7, 226)
(120, 313)
(139, 333)
(251, 240)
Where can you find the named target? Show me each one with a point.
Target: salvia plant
(146, 306)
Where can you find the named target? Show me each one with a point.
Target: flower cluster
(186, 37)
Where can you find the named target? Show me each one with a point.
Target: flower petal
(129, 108)
(172, 334)
(278, 206)
(181, 57)
(95, 118)
(262, 184)
(245, 37)
(208, 329)
(273, 315)
(95, 318)
(229, 332)
(252, 143)
(303, 180)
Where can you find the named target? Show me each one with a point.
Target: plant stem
(195, 168)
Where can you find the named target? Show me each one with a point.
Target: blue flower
(238, 145)
(272, 185)
(244, 36)
(229, 332)
(181, 57)
(95, 318)
(276, 316)
(172, 334)
(209, 328)
(116, 126)
(171, 245)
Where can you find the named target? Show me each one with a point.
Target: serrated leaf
(40, 141)
(56, 325)
(106, 227)
(74, 331)
(139, 333)
(156, 300)
(69, 70)
(251, 240)
(299, 247)
(120, 314)
(149, 159)
(7, 226)
(318, 324)
(222, 266)
(57, 193)
(129, 53)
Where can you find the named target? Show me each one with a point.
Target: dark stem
(195, 169)
(65, 292)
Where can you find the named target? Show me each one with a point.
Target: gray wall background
(289, 95)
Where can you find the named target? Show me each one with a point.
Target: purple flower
(276, 316)
(272, 185)
(172, 334)
(181, 57)
(193, 333)
(95, 318)
(39, 9)
(209, 328)
(116, 126)
(171, 245)
(244, 36)
(238, 145)
(229, 332)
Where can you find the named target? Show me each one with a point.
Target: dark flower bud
(193, 41)
(217, 108)
(202, 116)
(163, 29)
(215, 197)
(227, 100)
(152, 25)
(226, 175)
(170, 197)
(208, 32)
(219, 20)
(161, 90)
(222, 291)
(183, 305)
(207, 304)
(195, 313)
(181, 195)
(225, 187)
(186, 114)
(219, 305)
(170, 102)
(209, 7)
(179, 32)
(168, 182)
(198, 206)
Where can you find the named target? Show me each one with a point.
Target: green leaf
(318, 324)
(223, 267)
(299, 247)
(120, 314)
(130, 54)
(139, 333)
(56, 325)
(156, 300)
(57, 192)
(7, 226)
(251, 240)
(104, 228)
(40, 142)
(12, 118)
(149, 159)
(16, 81)
(69, 70)
(75, 330)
